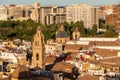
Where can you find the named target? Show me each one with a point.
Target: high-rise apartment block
(52, 14)
(19, 12)
(35, 16)
(82, 12)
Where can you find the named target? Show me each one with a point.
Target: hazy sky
(60, 2)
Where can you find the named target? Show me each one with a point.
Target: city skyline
(60, 2)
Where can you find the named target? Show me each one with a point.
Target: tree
(110, 32)
(94, 30)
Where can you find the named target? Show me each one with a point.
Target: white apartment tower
(82, 12)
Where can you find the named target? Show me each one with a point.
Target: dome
(61, 33)
(21, 72)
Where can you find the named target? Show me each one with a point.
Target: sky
(60, 2)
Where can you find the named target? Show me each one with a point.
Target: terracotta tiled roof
(118, 41)
(50, 59)
(108, 63)
(106, 52)
(21, 72)
(75, 47)
(115, 61)
(103, 43)
(88, 77)
(63, 66)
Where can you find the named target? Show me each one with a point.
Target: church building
(61, 35)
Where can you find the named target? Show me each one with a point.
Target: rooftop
(106, 52)
(88, 77)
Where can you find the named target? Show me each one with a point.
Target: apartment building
(19, 12)
(3, 12)
(52, 14)
(82, 12)
(35, 15)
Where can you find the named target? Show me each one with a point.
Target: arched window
(37, 56)
(75, 36)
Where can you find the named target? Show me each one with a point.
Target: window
(37, 56)
(75, 36)
(35, 43)
(54, 10)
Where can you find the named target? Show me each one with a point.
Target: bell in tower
(38, 49)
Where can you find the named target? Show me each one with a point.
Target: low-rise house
(50, 59)
(23, 73)
(14, 57)
(110, 68)
(95, 69)
(63, 66)
(68, 70)
(82, 66)
(53, 48)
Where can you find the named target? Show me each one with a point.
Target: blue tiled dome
(61, 33)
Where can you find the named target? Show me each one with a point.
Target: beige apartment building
(19, 12)
(3, 12)
(82, 12)
(52, 14)
(35, 15)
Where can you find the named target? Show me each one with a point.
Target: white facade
(78, 42)
(98, 39)
(83, 12)
(52, 48)
(12, 57)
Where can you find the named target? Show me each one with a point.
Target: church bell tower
(38, 47)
